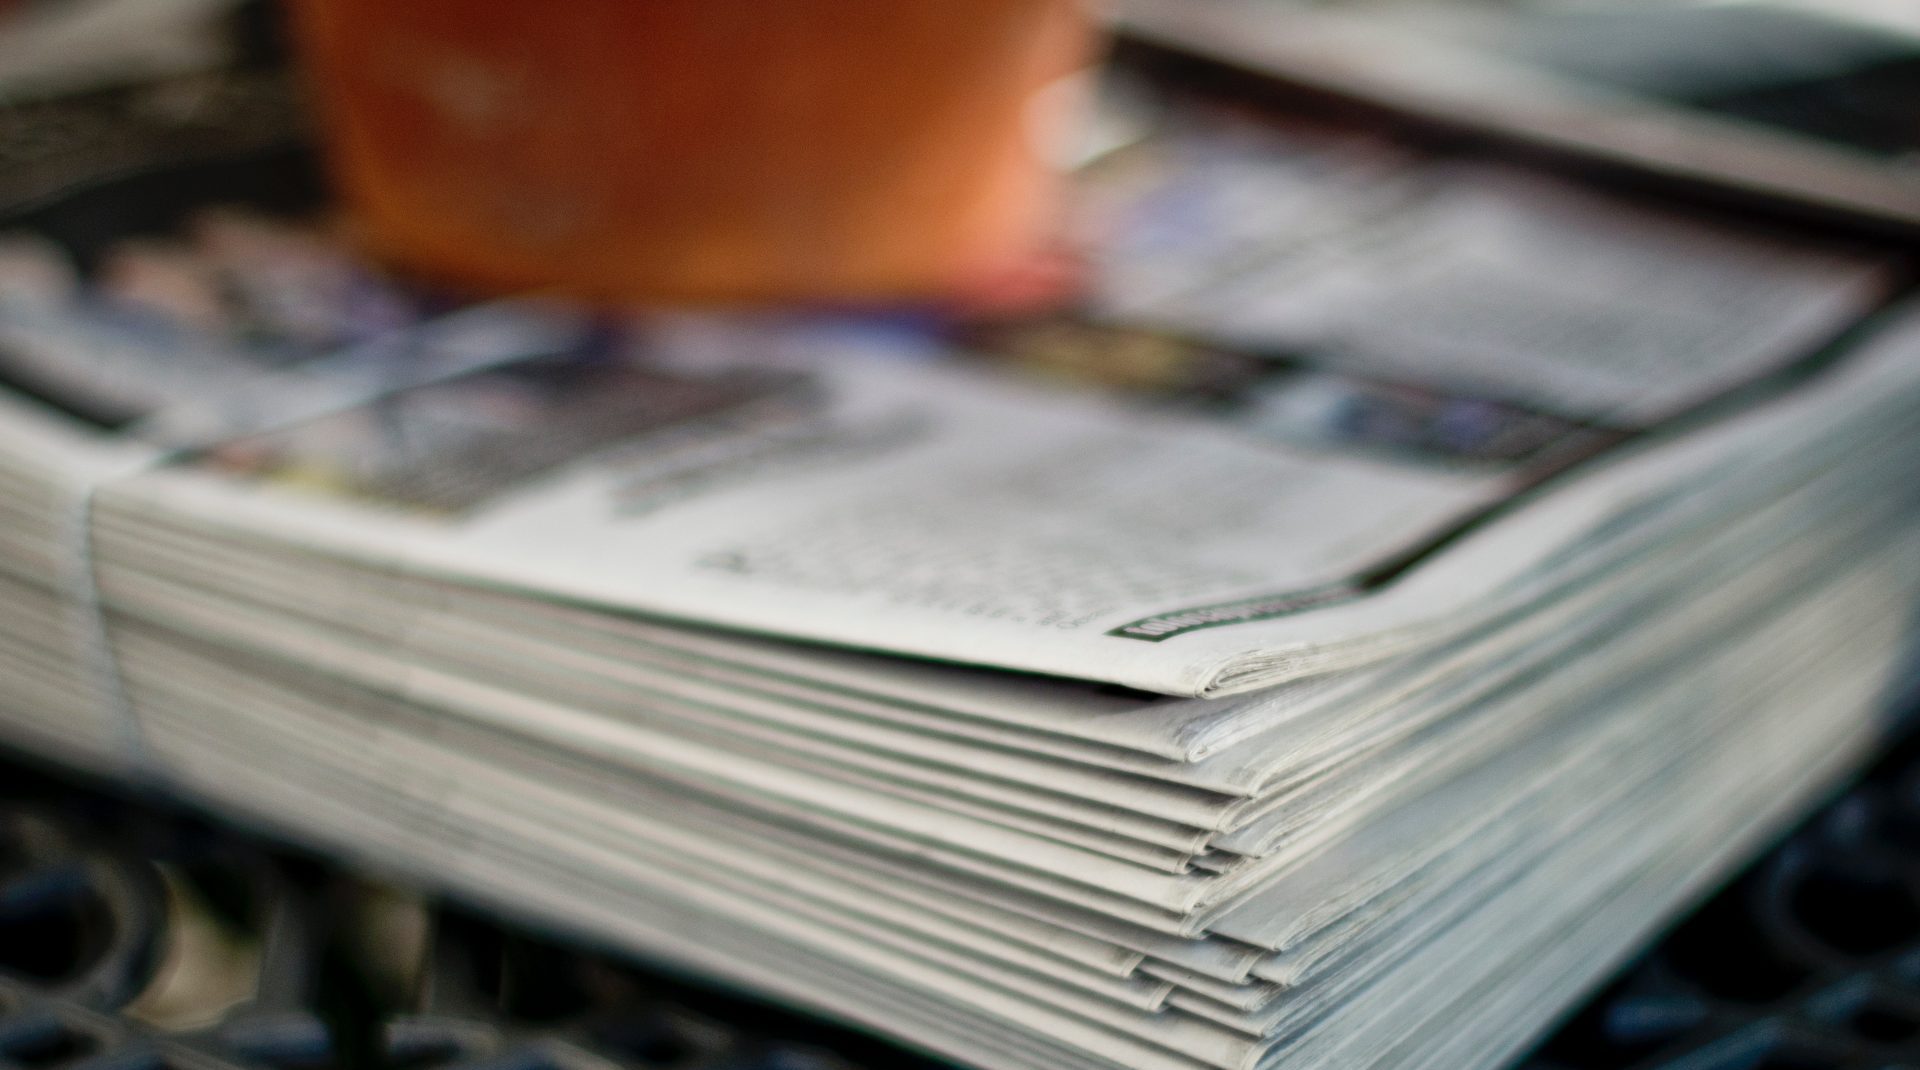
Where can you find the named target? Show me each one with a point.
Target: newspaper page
(931, 511)
(1340, 251)
(873, 496)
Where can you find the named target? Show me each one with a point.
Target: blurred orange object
(703, 150)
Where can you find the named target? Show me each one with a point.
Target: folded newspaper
(1455, 573)
(1800, 104)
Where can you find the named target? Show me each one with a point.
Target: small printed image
(1413, 423)
(1131, 360)
(163, 320)
(451, 447)
(1289, 400)
(286, 356)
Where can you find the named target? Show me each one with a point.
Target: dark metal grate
(1808, 961)
(109, 907)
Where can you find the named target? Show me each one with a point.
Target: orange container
(698, 150)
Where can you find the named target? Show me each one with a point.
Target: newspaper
(1774, 102)
(1494, 282)
(845, 492)
(601, 620)
(915, 510)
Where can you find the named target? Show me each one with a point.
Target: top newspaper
(1355, 499)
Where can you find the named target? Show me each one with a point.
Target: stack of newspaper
(1491, 570)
